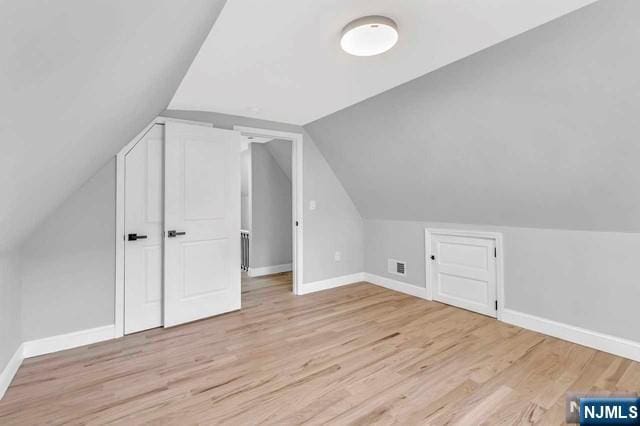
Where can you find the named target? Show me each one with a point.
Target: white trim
(119, 266)
(67, 341)
(307, 288)
(603, 342)
(297, 200)
(258, 139)
(10, 370)
(497, 236)
(268, 270)
(249, 200)
(395, 285)
(164, 120)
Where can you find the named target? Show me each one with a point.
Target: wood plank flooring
(358, 354)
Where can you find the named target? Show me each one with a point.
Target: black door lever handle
(135, 237)
(173, 233)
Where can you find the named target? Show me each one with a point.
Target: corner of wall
(336, 223)
(10, 318)
(64, 264)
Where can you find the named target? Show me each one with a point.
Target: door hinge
(495, 252)
(296, 223)
(496, 305)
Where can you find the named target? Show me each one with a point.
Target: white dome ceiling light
(369, 35)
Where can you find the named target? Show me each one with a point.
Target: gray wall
(80, 79)
(245, 213)
(582, 278)
(10, 306)
(68, 263)
(538, 131)
(335, 225)
(270, 210)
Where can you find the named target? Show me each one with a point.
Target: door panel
(204, 267)
(143, 216)
(464, 255)
(463, 272)
(153, 268)
(202, 199)
(463, 288)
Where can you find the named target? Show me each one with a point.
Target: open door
(202, 222)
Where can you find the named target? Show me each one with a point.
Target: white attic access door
(178, 241)
(464, 269)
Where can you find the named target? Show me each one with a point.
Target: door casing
(297, 205)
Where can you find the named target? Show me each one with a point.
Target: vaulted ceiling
(539, 131)
(281, 60)
(78, 80)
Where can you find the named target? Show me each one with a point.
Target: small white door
(463, 272)
(202, 222)
(143, 233)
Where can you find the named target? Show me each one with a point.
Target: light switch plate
(312, 205)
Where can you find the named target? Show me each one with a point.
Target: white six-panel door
(143, 232)
(202, 222)
(463, 272)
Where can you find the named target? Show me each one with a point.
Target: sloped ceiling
(280, 150)
(78, 80)
(281, 60)
(541, 130)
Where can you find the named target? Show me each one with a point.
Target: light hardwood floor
(357, 354)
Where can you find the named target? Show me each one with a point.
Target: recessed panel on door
(201, 274)
(202, 199)
(144, 211)
(463, 272)
(202, 222)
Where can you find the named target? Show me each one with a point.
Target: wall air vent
(397, 267)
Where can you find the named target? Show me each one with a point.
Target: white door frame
(296, 193)
(496, 236)
(120, 220)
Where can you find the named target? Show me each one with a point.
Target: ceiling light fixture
(368, 36)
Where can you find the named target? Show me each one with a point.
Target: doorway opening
(266, 212)
(271, 207)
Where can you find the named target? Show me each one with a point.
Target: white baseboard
(409, 289)
(7, 375)
(268, 270)
(603, 342)
(68, 341)
(307, 288)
